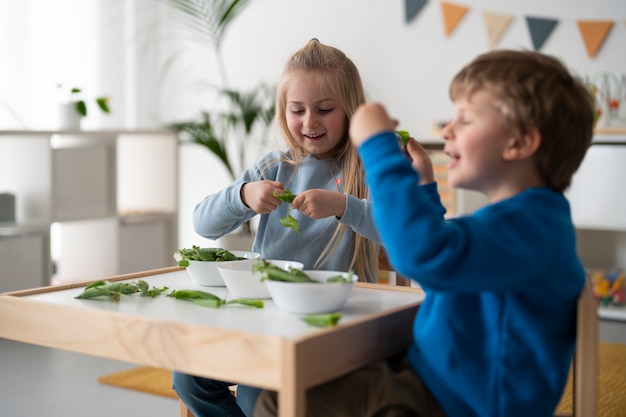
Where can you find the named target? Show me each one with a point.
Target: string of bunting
(593, 32)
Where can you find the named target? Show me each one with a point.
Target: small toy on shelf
(609, 286)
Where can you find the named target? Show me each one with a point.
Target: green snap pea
(193, 295)
(274, 273)
(323, 320)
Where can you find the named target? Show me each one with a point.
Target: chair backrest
(585, 389)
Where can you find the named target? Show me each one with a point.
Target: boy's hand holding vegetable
(371, 119)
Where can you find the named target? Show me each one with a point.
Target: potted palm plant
(227, 133)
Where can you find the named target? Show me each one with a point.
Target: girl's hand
(368, 120)
(318, 203)
(259, 195)
(421, 161)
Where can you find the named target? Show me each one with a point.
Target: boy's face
(314, 119)
(475, 141)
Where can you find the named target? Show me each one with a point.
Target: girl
(318, 92)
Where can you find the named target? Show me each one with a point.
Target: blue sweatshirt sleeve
(468, 253)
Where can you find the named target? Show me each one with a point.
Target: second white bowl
(242, 281)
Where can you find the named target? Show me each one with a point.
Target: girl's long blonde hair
(336, 75)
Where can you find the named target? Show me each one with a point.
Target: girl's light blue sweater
(496, 332)
(224, 211)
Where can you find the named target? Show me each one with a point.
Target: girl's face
(314, 119)
(475, 141)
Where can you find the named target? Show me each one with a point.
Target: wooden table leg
(292, 395)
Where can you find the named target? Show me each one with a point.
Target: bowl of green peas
(244, 280)
(310, 291)
(201, 263)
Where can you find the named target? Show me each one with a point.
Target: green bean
(322, 320)
(274, 273)
(193, 295)
(247, 302)
(210, 303)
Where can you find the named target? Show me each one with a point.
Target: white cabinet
(598, 199)
(88, 204)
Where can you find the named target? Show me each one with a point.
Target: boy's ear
(522, 147)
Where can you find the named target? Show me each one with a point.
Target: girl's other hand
(421, 162)
(259, 195)
(318, 203)
(368, 120)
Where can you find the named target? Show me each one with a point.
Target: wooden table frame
(287, 365)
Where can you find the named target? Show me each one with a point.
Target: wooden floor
(43, 382)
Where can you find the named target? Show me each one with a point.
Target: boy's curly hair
(536, 91)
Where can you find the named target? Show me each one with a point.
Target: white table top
(269, 320)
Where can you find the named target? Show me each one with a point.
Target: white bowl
(206, 272)
(311, 298)
(242, 281)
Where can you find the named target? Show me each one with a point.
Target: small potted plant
(74, 109)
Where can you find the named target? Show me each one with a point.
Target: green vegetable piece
(95, 284)
(208, 303)
(205, 254)
(404, 136)
(93, 292)
(143, 286)
(274, 273)
(323, 320)
(287, 196)
(193, 295)
(290, 221)
(341, 278)
(247, 302)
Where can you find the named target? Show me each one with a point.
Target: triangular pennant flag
(496, 24)
(594, 33)
(540, 29)
(412, 8)
(452, 15)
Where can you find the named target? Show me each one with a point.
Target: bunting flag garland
(452, 16)
(594, 33)
(540, 29)
(496, 24)
(412, 8)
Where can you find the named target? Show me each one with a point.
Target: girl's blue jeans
(210, 398)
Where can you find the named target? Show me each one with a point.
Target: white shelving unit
(598, 202)
(88, 204)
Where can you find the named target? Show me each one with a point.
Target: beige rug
(611, 389)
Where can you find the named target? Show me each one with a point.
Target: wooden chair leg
(183, 410)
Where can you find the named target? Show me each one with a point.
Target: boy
(496, 332)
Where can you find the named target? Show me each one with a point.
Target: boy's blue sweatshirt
(496, 332)
(224, 211)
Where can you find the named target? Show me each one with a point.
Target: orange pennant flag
(452, 15)
(496, 24)
(594, 33)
